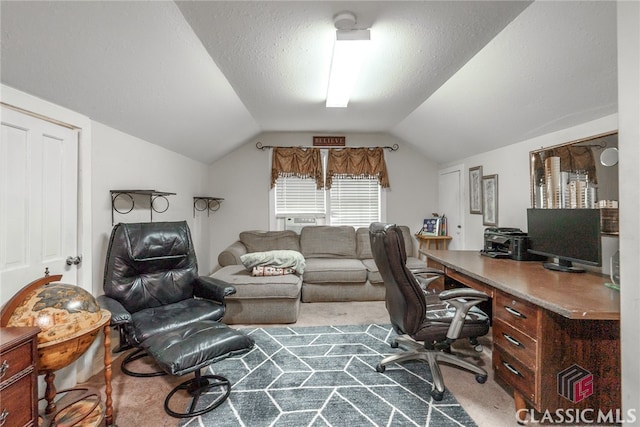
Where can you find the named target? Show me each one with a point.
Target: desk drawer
(516, 343)
(514, 373)
(516, 312)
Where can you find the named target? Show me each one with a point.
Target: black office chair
(426, 323)
(152, 287)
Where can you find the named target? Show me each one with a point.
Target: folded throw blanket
(278, 258)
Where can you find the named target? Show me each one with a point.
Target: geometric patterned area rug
(325, 376)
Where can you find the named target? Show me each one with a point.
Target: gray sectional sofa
(338, 267)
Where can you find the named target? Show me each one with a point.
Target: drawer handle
(3, 368)
(512, 340)
(515, 312)
(512, 369)
(3, 417)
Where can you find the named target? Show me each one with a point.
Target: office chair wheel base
(481, 379)
(437, 395)
(380, 368)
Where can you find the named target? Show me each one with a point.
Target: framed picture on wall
(475, 190)
(490, 200)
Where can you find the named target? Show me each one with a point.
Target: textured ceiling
(276, 55)
(201, 78)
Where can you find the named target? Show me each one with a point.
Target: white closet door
(38, 200)
(450, 189)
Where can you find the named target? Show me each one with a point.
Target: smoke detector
(345, 21)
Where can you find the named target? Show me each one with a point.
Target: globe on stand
(69, 319)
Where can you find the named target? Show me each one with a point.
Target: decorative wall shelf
(205, 203)
(151, 194)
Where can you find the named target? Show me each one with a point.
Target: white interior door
(450, 189)
(38, 200)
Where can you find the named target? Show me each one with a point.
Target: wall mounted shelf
(151, 194)
(202, 203)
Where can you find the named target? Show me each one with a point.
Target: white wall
(629, 145)
(511, 163)
(243, 178)
(121, 161)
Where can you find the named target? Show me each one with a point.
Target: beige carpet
(139, 401)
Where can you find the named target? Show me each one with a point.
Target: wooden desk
(439, 242)
(545, 322)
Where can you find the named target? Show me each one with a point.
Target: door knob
(75, 260)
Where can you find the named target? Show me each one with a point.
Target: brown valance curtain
(298, 162)
(357, 163)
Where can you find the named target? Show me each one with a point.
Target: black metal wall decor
(206, 203)
(153, 195)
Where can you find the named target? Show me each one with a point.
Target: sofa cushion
(408, 240)
(413, 262)
(232, 253)
(264, 287)
(374, 276)
(324, 241)
(334, 270)
(261, 241)
(363, 243)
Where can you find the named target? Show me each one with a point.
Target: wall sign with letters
(329, 141)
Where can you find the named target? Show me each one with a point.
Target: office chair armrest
(426, 270)
(119, 314)
(466, 293)
(425, 276)
(462, 299)
(212, 289)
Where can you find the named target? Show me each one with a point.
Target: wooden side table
(426, 242)
(19, 375)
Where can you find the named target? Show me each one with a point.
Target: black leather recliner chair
(426, 323)
(151, 285)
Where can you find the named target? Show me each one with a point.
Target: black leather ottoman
(191, 348)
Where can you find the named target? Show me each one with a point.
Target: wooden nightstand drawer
(19, 385)
(517, 313)
(515, 342)
(15, 360)
(514, 373)
(16, 402)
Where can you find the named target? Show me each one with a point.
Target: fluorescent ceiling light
(349, 52)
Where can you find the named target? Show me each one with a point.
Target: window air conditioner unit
(296, 223)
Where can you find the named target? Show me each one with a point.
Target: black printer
(505, 242)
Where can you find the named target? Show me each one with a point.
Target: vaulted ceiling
(201, 78)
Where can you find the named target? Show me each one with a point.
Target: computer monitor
(570, 235)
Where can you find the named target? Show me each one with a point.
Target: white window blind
(298, 196)
(354, 202)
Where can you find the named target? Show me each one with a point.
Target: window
(355, 202)
(299, 196)
(351, 201)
